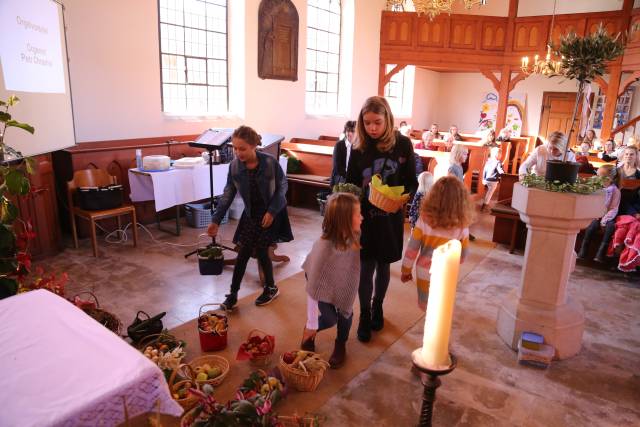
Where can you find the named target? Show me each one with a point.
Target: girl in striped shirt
(445, 214)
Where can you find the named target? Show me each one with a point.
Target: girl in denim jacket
(263, 186)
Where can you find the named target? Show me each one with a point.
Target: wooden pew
(316, 164)
(508, 228)
(328, 138)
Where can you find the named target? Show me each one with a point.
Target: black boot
(339, 354)
(230, 301)
(601, 254)
(364, 327)
(309, 344)
(377, 316)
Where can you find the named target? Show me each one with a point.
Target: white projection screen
(33, 66)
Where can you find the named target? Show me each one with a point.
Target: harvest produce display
(257, 346)
(213, 323)
(207, 372)
(161, 355)
(305, 361)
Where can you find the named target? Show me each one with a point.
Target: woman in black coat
(341, 154)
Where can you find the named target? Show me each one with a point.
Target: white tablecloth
(59, 367)
(176, 186)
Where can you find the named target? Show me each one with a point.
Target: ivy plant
(582, 186)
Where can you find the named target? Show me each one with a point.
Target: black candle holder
(430, 381)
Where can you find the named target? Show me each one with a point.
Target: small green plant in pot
(583, 59)
(210, 260)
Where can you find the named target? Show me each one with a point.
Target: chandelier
(548, 67)
(431, 7)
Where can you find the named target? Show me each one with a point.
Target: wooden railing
(624, 127)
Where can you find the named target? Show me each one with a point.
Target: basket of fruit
(180, 382)
(210, 369)
(164, 350)
(262, 385)
(258, 348)
(301, 369)
(92, 308)
(213, 326)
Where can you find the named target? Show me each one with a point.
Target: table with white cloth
(59, 367)
(176, 187)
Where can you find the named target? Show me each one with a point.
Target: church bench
(316, 164)
(507, 228)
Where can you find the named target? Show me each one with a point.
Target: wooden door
(557, 109)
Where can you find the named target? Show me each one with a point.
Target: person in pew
(608, 221)
(379, 151)
(553, 149)
(582, 157)
(435, 131)
(628, 169)
(262, 185)
(332, 269)
(489, 139)
(341, 154)
(504, 135)
(425, 182)
(589, 138)
(608, 152)
(491, 175)
(457, 157)
(427, 141)
(445, 214)
(404, 128)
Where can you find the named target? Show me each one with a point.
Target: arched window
(323, 56)
(193, 56)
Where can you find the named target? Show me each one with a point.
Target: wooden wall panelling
(398, 28)
(431, 33)
(564, 26)
(493, 34)
(611, 24)
(631, 58)
(529, 35)
(464, 32)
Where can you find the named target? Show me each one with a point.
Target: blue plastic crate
(199, 215)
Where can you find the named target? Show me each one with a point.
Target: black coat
(339, 171)
(382, 232)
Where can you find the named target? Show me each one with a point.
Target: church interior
(151, 103)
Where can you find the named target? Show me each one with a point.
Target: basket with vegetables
(164, 350)
(180, 382)
(258, 348)
(302, 369)
(213, 326)
(262, 384)
(210, 260)
(210, 369)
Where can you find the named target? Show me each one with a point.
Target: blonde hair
(337, 225)
(557, 139)
(376, 105)
(447, 205)
(633, 148)
(425, 182)
(457, 154)
(608, 169)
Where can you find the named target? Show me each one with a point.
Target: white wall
(492, 8)
(459, 95)
(425, 97)
(115, 73)
(545, 7)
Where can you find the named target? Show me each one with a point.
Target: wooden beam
(386, 78)
(511, 25)
(517, 79)
(503, 97)
(629, 80)
(615, 71)
(602, 83)
(494, 80)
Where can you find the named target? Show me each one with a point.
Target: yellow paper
(390, 192)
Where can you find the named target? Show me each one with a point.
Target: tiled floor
(600, 386)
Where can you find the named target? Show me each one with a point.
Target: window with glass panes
(193, 56)
(323, 56)
(394, 90)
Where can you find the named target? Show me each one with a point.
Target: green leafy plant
(15, 234)
(348, 188)
(582, 186)
(212, 252)
(585, 58)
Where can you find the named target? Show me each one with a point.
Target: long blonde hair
(377, 105)
(337, 225)
(447, 205)
(457, 154)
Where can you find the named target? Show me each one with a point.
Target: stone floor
(599, 386)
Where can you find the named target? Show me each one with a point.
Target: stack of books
(533, 351)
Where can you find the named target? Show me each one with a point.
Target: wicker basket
(212, 360)
(298, 379)
(180, 376)
(105, 318)
(382, 202)
(261, 360)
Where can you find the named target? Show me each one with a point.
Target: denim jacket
(271, 180)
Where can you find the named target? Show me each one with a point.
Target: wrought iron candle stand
(430, 381)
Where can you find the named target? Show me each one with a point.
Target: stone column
(541, 303)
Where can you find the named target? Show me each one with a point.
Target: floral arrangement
(582, 186)
(348, 188)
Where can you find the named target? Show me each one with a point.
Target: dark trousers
(366, 289)
(591, 230)
(330, 316)
(262, 255)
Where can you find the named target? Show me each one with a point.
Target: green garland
(582, 186)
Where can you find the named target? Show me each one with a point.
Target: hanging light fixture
(547, 66)
(431, 7)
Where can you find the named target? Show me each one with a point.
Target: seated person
(504, 135)
(342, 153)
(489, 139)
(608, 152)
(427, 142)
(434, 130)
(553, 149)
(589, 138)
(582, 157)
(453, 136)
(404, 128)
(608, 221)
(628, 169)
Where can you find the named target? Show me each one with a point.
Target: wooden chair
(96, 178)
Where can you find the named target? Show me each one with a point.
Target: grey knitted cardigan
(333, 275)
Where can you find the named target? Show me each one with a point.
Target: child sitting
(445, 214)
(332, 269)
(491, 175)
(425, 181)
(608, 221)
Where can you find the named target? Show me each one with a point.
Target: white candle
(445, 264)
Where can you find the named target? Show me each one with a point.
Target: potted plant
(210, 260)
(583, 59)
(15, 260)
